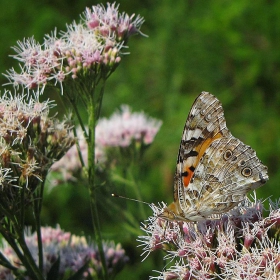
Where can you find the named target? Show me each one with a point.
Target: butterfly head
(167, 214)
(171, 213)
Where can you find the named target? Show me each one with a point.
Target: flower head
(30, 141)
(241, 244)
(91, 48)
(131, 132)
(74, 252)
(124, 127)
(110, 22)
(125, 136)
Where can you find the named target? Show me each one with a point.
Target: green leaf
(54, 271)
(79, 273)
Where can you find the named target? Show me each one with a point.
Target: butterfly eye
(227, 154)
(246, 171)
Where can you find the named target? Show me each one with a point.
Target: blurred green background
(230, 48)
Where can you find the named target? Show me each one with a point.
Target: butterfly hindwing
(224, 175)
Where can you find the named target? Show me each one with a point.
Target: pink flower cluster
(241, 244)
(110, 22)
(74, 252)
(90, 47)
(124, 127)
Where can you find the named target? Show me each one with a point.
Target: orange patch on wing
(204, 145)
(187, 178)
(189, 171)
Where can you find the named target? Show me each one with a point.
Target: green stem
(17, 225)
(38, 200)
(136, 190)
(91, 176)
(78, 146)
(99, 101)
(22, 208)
(73, 103)
(25, 257)
(5, 262)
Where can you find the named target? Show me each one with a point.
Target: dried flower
(30, 141)
(240, 244)
(74, 252)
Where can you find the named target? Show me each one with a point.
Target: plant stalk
(91, 177)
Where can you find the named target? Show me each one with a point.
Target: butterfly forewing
(214, 169)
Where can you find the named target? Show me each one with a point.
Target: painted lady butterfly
(214, 170)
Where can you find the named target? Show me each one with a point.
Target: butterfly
(214, 169)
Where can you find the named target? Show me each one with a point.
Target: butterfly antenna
(132, 199)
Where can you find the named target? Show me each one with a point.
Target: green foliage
(230, 48)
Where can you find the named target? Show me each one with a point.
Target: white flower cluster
(124, 127)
